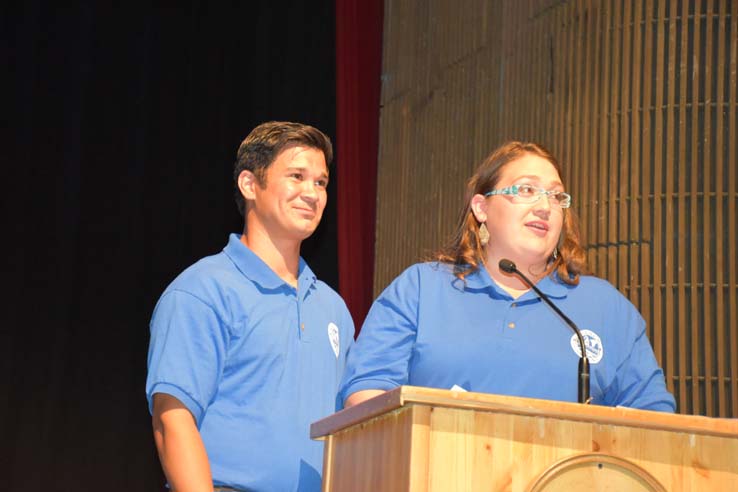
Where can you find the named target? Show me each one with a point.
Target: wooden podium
(421, 439)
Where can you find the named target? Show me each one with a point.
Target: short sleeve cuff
(170, 389)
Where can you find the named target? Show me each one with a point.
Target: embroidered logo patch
(334, 338)
(592, 341)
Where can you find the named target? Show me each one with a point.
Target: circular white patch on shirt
(334, 338)
(592, 341)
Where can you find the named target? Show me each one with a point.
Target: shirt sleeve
(187, 351)
(639, 381)
(381, 355)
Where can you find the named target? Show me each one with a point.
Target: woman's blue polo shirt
(429, 328)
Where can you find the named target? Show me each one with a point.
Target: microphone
(508, 266)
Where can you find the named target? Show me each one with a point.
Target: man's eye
(296, 176)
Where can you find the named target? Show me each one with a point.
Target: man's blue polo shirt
(255, 361)
(430, 329)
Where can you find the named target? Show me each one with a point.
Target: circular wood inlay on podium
(596, 472)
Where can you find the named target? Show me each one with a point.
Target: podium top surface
(414, 395)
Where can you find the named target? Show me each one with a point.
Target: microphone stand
(508, 266)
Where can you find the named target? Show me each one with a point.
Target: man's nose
(309, 190)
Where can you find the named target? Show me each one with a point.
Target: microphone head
(507, 266)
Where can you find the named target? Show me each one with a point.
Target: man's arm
(181, 450)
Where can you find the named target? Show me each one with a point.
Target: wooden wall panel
(638, 101)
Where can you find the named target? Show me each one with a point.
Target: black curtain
(120, 128)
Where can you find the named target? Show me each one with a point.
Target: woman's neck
(511, 283)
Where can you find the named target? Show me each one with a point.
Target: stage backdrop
(121, 125)
(637, 99)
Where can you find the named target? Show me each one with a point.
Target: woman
(461, 321)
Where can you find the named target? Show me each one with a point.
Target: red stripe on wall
(358, 72)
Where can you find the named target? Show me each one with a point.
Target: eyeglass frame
(539, 192)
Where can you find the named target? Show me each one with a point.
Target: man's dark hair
(259, 149)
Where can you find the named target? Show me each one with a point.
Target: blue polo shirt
(429, 328)
(256, 361)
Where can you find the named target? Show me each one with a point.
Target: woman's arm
(359, 396)
(379, 360)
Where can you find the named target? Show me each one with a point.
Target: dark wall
(120, 129)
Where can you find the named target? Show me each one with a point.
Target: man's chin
(306, 232)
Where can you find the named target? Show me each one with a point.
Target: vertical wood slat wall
(636, 98)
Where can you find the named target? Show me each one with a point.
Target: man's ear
(479, 207)
(247, 184)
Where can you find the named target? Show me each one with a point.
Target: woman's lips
(538, 227)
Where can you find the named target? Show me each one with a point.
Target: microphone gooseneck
(508, 266)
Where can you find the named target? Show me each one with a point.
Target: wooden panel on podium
(421, 439)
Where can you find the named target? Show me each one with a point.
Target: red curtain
(358, 71)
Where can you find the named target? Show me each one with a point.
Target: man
(247, 346)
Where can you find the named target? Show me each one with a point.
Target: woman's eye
(296, 176)
(322, 183)
(526, 190)
(563, 198)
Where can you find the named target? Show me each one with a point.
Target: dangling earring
(555, 253)
(483, 234)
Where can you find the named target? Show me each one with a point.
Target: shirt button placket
(300, 323)
(510, 316)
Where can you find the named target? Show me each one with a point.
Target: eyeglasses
(530, 194)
